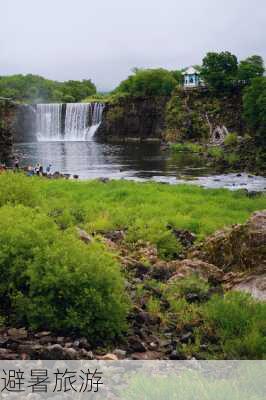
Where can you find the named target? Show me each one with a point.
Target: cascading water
(74, 122)
(96, 119)
(49, 122)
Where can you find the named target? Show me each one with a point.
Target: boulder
(17, 334)
(239, 248)
(203, 269)
(84, 236)
(108, 357)
(253, 283)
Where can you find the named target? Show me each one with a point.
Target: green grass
(144, 209)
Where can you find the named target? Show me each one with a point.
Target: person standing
(48, 170)
(37, 169)
(16, 164)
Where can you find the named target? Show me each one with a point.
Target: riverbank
(99, 267)
(236, 154)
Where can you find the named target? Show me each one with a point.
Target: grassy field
(144, 209)
(52, 280)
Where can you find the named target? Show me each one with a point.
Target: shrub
(192, 284)
(52, 280)
(240, 323)
(15, 188)
(231, 139)
(216, 152)
(232, 158)
(191, 147)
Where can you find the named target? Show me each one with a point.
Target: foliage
(231, 139)
(251, 68)
(148, 82)
(52, 280)
(254, 101)
(36, 89)
(231, 325)
(219, 70)
(240, 323)
(232, 158)
(177, 75)
(216, 152)
(188, 146)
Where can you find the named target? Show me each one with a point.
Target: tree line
(36, 89)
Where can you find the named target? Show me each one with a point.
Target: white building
(191, 77)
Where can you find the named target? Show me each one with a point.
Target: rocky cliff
(133, 118)
(201, 114)
(188, 114)
(7, 115)
(25, 123)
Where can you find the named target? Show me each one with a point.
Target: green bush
(232, 158)
(231, 139)
(240, 323)
(216, 153)
(52, 280)
(148, 82)
(15, 188)
(191, 147)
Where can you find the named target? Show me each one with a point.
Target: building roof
(190, 71)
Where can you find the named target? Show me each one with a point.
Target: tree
(79, 90)
(177, 75)
(254, 102)
(36, 89)
(219, 70)
(148, 82)
(251, 68)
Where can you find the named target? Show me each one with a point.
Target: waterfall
(96, 119)
(73, 122)
(49, 122)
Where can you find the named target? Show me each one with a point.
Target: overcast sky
(104, 39)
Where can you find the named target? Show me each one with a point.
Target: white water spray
(78, 122)
(49, 122)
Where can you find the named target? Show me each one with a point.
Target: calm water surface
(137, 161)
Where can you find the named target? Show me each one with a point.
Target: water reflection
(138, 161)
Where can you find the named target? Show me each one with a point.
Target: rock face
(7, 114)
(25, 123)
(240, 252)
(240, 248)
(133, 119)
(201, 114)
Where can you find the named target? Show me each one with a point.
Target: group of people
(39, 170)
